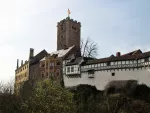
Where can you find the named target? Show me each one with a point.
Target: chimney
(31, 55)
(21, 62)
(118, 54)
(17, 63)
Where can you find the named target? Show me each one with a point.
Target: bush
(49, 97)
(142, 92)
(126, 87)
(10, 104)
(87, 99)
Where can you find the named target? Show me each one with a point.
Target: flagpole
(68, 13)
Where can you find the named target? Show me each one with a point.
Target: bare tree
(89, 48)
(7, 87)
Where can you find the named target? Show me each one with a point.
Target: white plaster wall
(102, 78)
(69, 82)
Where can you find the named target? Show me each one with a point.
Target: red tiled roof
(120, 58)
(133, 52)
(38, 57)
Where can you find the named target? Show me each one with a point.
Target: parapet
(69, 19)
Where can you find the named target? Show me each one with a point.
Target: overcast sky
(116, 25)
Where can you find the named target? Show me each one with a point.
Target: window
(119, 62)
(123, 62)
(68, 69)
(58, 63)
(43, 65)
(104, 64)
(42, 74)
(90, 71)
(78, 69)
(51, 64)
(51, 74)
(112, 74)
(127, 62)
(47, 74)
(57, 73)
(108, 63)
(72, 69)
(112, 63)
(74, 28)
(142, 60)
(61, 37)
(61, 27)
(146, 59)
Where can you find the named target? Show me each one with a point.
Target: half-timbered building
(99, 72)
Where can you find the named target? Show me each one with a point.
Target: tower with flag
(69, 12)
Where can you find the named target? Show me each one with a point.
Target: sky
(116, 25)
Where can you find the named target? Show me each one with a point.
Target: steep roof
(38, 57)
(133, 52)
(75, 61)
(78, 60)
(62, 52)
(119, 58)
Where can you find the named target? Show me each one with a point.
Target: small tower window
(61, 36)
(61, 27)
(74, 28)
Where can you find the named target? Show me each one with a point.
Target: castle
(66, 65)
(45, 65)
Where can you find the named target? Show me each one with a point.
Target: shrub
(49, 97)
(142, 92)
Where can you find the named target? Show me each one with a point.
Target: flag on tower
(68, 12)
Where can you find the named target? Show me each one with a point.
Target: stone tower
(68, 33)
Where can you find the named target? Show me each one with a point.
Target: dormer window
(146, 60)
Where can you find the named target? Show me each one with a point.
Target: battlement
(22, 64)
(68, 19)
